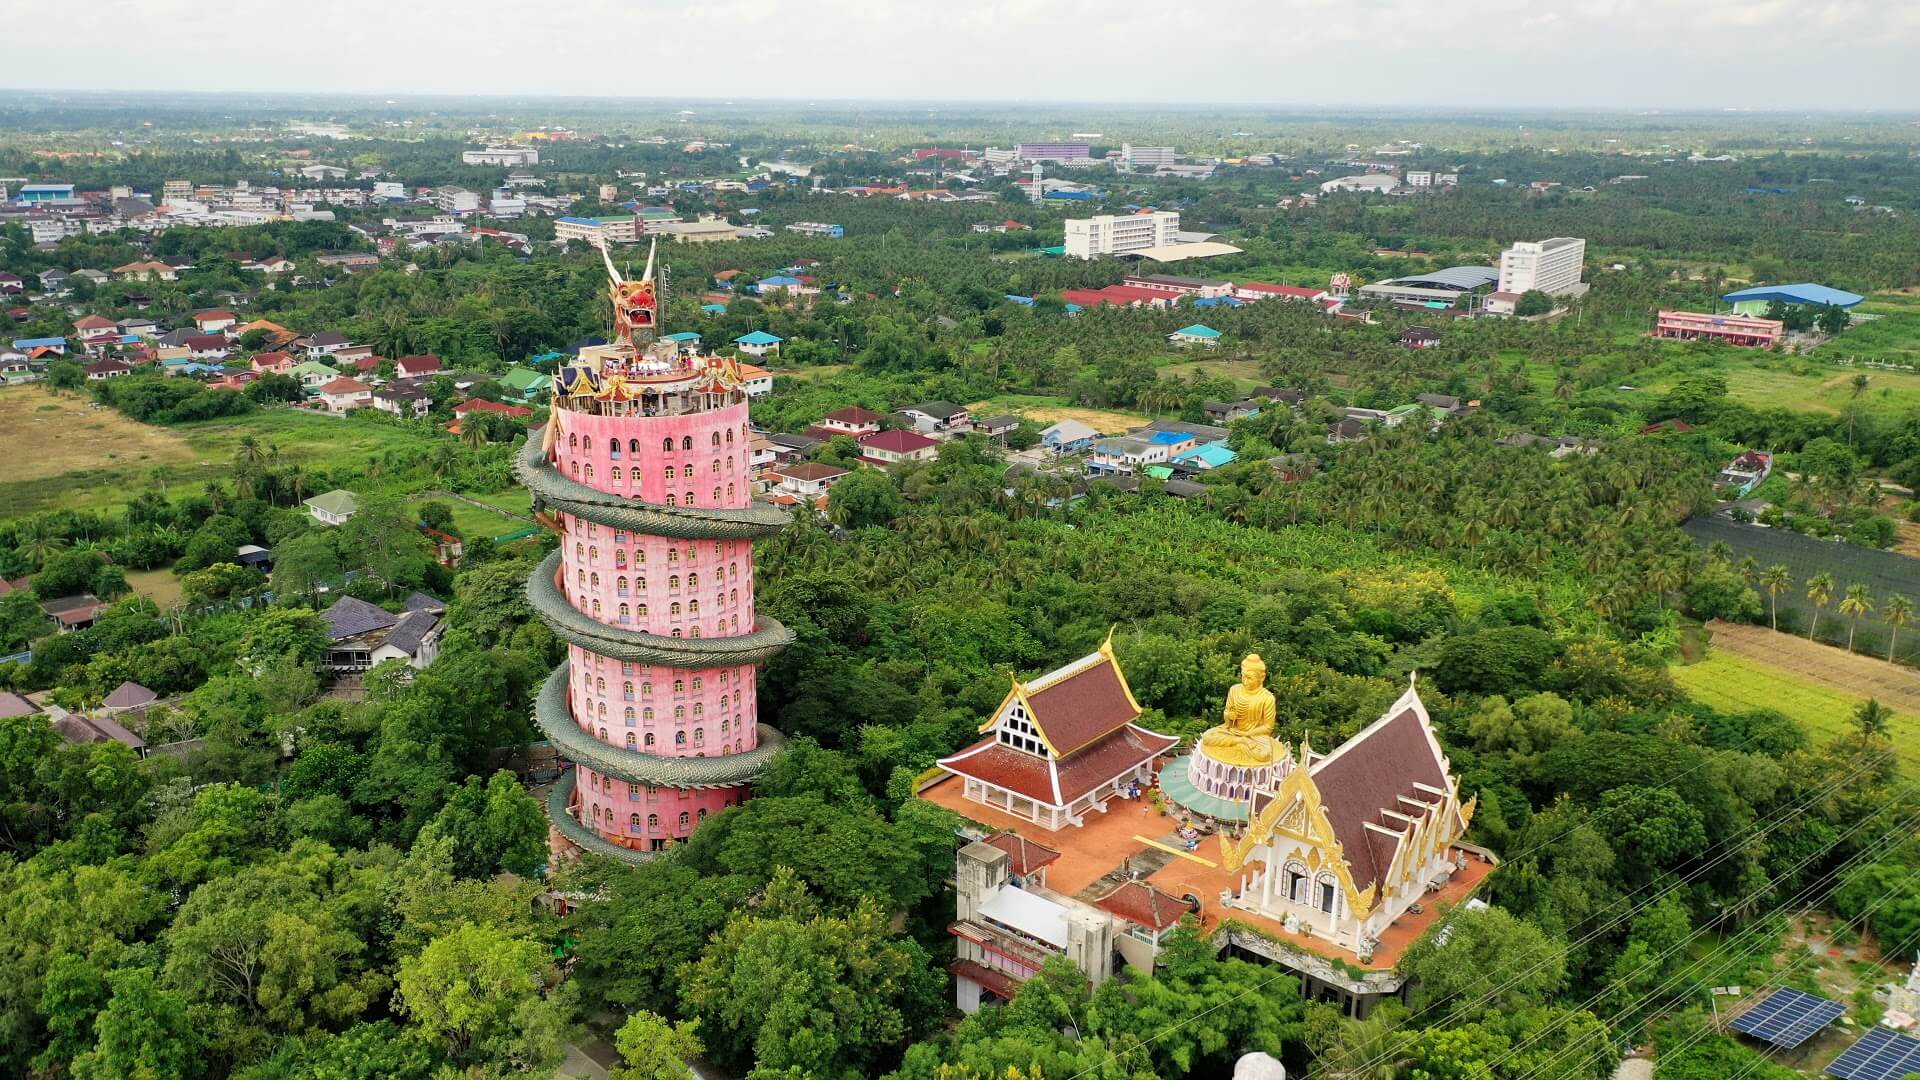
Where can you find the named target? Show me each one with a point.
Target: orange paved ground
(1091, 851)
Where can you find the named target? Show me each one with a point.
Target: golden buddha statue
(1244, 735)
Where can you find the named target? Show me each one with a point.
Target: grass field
(1048, 410)
(160, 586)
(1733, 683)
(1244, 373)
(61, 453)
(474, 523)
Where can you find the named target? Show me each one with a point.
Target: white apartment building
(613, 230)
(1551, 266)
(456, 200)
(1147, 157)
(389, 189)
(507, 156)
(1123, 234)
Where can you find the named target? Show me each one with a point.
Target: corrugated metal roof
(1804, 293)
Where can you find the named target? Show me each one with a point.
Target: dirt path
(1851, 673)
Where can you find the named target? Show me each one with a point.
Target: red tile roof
(1036, 777)
(345, 385)
(854, 414)
(1027, 856)
(215, 314)
(93, 322)
(419, 364)
(1296, 291)
(897, 441)
(810, 470)
(1143, 905)
(1080, 703)
(206, 342)
(478, 405)
(1372, 772)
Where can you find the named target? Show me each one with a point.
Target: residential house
(526, 382)
(410, 367)
(76, 612)
(930, 417)
(1349, 430)
(475, 405)
(792, 447)
(408, 401)
(53, 282)
(1205, 337)
(1226, 412)
(804, 481)
(147, 270)
(129, 697)
(1259, 290)
(94, 728)
(997, 427)
(138, 326)
(90, 329)
(758, 343)
(101, 370)
(758, 381)
(51, 346)
(1419, 337)
(852, 420)
(1125, 455)
(215, 320)
(345, 393)
(208, 346)
(1205, 456)
(326, 343)
(313, 374)
(278, 363)
(333, 507)
(1068, 437)
(360, 635)
(1446, 403)
(894, 445)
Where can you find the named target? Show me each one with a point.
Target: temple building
(1091, 838)
(1061, 745)
(643, 471)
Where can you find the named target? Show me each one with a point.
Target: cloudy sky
(1775, 54)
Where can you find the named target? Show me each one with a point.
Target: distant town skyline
(1817, 55)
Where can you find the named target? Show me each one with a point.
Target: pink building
(1734, 329)
(645, 471)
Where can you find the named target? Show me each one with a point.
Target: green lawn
(106, 482)
(1733, 683)
(474, 523)
(1245, 374)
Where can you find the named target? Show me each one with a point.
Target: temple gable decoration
(1061, 744)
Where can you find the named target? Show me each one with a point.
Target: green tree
(1486, 962)
(654, 1048)
(478, 993)
(1777, 579)
(866, 498)
(1820, 592)
(1857, 602)
(1533, 302)
(284, 633)
(1871, 719)
(1897, 613)
(144, 1033)
(495, 826)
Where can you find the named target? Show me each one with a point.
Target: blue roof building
(758, 343)
(684, 337)
(713, 309)
(31, 343)
(1218, 301)
(44, 193)
(1206, 456)
(777, 281)
(1754, 301)
(1195, 335)
(1023, 301)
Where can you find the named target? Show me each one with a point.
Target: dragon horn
(611, 272)
(651, 246)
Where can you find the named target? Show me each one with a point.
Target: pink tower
(643, 471)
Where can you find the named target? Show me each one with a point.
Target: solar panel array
(1787, 1017)
(1879, 1055)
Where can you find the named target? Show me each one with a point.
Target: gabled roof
(411, 630)
(351, 616)
(215, 315)
(1373, 772)
(897, 441)
(939, 410)
(1143, 905)
(1070, 431)
(1197, 330)
(327, 338)
(1026, 855)
(418, 364)
(758, 337)
(130, 695)
(345, 385)
(93, 322)
(854, 414)
(207, 342)
(1076, 705)
(1803, 293)
(809, 470)
(337, 501)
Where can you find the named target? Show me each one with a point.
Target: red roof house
(408, 367)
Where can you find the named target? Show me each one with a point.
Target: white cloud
(1514, 53)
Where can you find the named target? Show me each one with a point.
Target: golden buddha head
(1253, 671)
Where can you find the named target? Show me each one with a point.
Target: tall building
(1110, 234)
(1551, 266)
(1067, 151)
(501, 155)
(1147, 157)
(644, 472)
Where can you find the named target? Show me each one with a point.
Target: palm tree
(1857, 602)
(1775, 579)
(1820, 591)
(1898, 610)
(1870, 719)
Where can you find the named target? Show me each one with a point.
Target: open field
(1048, 410)
(60, 453)
(1734, 683)
(1244, 373)
(470, 521)
(159, 585)
(810, 374)
(56, 449)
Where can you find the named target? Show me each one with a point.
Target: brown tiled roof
(854, 414)
(1027, 855)
(810, 470)
(1074, 710)
(1370, 773)
(1143, 905)
(1035, 776)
